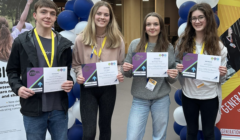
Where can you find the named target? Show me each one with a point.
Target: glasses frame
(198, 18)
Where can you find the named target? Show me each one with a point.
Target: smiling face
(198, 21)
(45, 17)
(102, 17)
(152, 26)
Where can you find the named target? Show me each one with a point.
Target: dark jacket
(24, 55)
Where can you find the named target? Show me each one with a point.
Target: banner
(229, 15)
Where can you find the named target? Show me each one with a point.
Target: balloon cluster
(184, 7)
(180, 125)
(75, 11)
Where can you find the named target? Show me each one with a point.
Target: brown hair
(162, 41)
(112, 31)
(5, 40)
(45, 3)
(211, 38)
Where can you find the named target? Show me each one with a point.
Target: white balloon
(48, 136)
(73, 75)
(212, 3)
(69, 35)
(200, 120)
(181, 29)
(76, 110)
(179, 116)
(80, 27)
(71, 118)
(180, 2)
(218, 118)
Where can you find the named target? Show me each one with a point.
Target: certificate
(190, 65)
(208, 68)
(90, 74)
(139, 64)
(35, 79)
(157, 64)
(54, 78)
(107, 73)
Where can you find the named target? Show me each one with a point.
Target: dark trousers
(91, 99)
(208, 109)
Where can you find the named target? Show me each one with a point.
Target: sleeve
(13, 68)
(172, 64)
(223, 61)
(128, 59)
(76, 60)
(121, 56)
(15, 33)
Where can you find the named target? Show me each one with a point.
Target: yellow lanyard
(42, 49)
(146, 47)
(100, 51)
(194, 49)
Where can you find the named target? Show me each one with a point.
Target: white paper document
(208, 68)
(157, 64)
(54, 78)
(107, 73)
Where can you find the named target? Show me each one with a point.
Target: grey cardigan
(139, 83)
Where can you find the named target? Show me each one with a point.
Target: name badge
(151, 84)
(198, 83)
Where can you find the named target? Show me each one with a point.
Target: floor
(122, 109)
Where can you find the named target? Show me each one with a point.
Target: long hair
(211, 38)
(112, 32)
(5, 40)
(162, 41)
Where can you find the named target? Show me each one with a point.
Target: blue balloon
(178, 97)
(84, 19)
(218, 135)
(76, 90)
(181, 21)
(214, 9)
(217, 20)
(184, 9)
(183, 134)
(67, 20)
(82, 8)
(177, 128)
(77, 122)
(69, 5)
(75, 132)
(71, 99)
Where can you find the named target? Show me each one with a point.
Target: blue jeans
(55, 121)
(139, 114)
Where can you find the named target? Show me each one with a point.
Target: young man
(41, 111)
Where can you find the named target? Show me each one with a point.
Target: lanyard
(146, 47)
(42, 49)
(100, 51)
(194, 49)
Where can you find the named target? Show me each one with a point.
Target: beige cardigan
(82, 53)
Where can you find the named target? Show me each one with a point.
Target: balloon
(181, 21)
(180, 2)
(179, 116)
(69, 5)
(218, 135)
(184, 9)
(76, 110)
(212, 3)
(77, 122)
(217, 20)
(80, 27)
(67, 20)
(71, 99)
(73, 75)
(218, 118)
(183, 134)
(178, 97)
(75, 133)
(181, 29)
(84, 19)
(177, 128)
(82, 8)
(71, 119)
(214, 9)
(76, 90)
(69, 35)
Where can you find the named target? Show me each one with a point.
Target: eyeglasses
(200, 19)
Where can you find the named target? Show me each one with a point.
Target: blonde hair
(112, 32)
